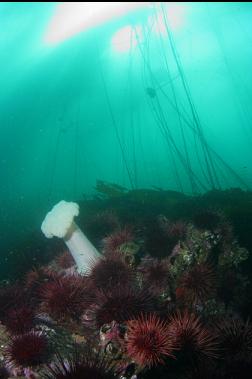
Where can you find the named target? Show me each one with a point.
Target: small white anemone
(59, 222)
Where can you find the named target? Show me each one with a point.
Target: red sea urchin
(175, 230)
(192, 337)
(10, 297)
(148, 341)
(119, 304)
(66, 297)
(197, 285)
(65, 260)
(113, 242)
(34, 279)
(27, 350)
(19, 320)
(110, 272)
(156, 274)
(38, 276)
(89, 365)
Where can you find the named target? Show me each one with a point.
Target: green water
(173, 111)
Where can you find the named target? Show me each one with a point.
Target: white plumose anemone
(59, 222)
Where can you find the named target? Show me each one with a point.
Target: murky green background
(173, 111)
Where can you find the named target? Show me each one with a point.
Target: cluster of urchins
(131, 318)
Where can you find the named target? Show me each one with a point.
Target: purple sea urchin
(66, 297)
(120, 304)
(235, 338)
(177, 230)
(80, 366)
(111, 272)
(207, 219)
(27, 350)
(101, 224)
(4, 374)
